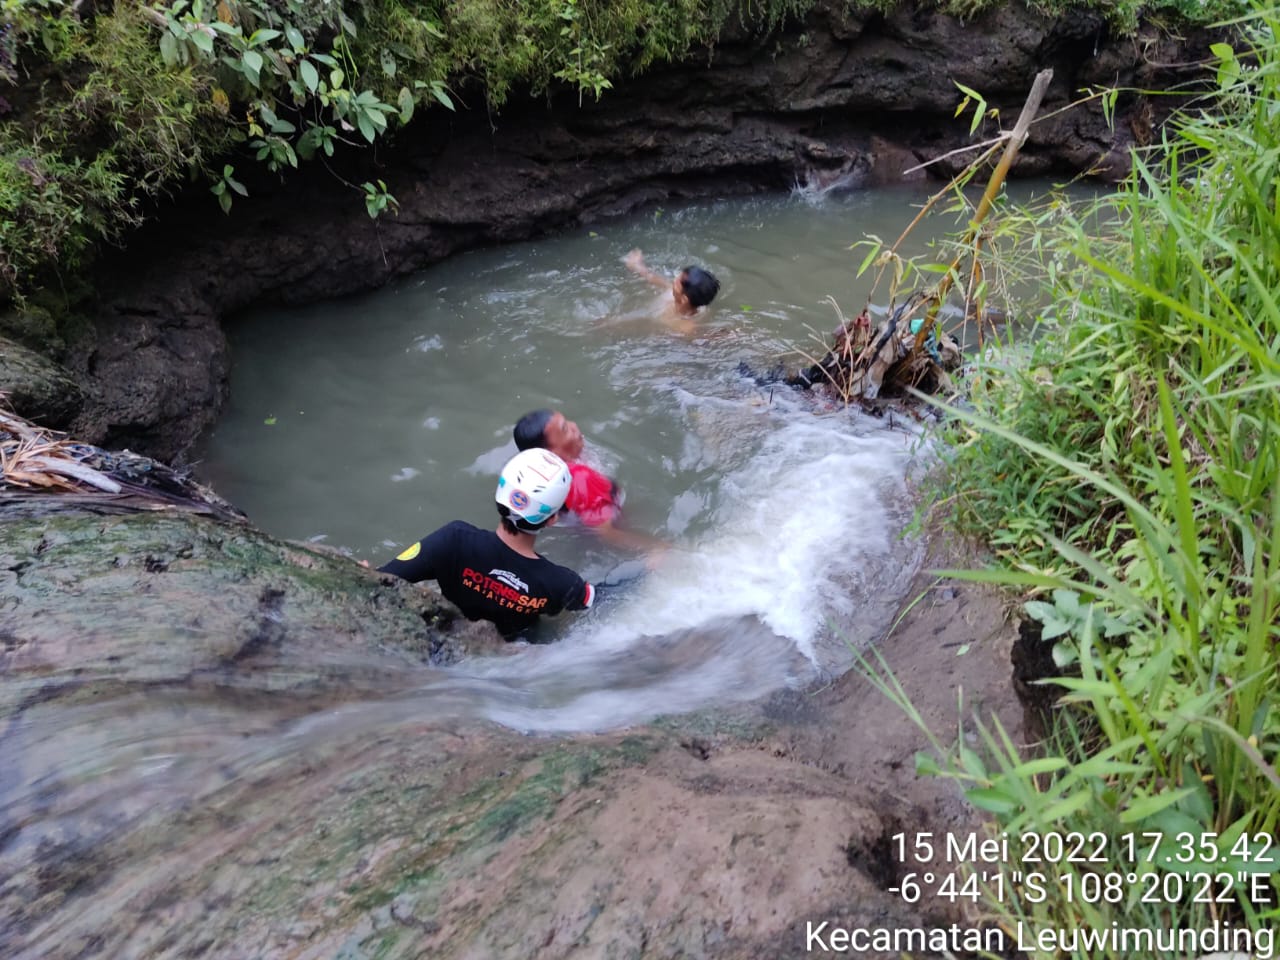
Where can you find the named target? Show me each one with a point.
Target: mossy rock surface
(146, 599)
(36, 387)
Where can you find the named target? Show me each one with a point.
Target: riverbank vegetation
(1126, 471)
(107, 108)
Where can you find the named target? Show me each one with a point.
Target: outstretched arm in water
(635, 263)
(650, 546)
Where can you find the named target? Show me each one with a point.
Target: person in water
(593, 498)
(497, 575)
(691, 290)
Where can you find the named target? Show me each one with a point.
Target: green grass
(1127, 474)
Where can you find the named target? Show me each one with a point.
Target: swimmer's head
(550, 430)
(696, 285)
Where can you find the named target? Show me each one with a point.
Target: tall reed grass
(1128, 477)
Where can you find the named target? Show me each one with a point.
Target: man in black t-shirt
(497, 575)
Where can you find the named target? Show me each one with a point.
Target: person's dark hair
(700, 286)
(531, 429)
(517, 524)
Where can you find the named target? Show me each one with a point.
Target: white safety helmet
(533, 486)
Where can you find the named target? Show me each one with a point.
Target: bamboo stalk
(1016, 138)
(924, 212)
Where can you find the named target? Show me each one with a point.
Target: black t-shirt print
(487, 580)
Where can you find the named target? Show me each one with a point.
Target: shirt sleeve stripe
(589, 598)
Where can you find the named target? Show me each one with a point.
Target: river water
(366, 423)
(191, 821)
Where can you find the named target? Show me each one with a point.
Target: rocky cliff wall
(855, 98)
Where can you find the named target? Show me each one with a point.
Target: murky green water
(369, 422)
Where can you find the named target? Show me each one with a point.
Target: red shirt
(591, 495)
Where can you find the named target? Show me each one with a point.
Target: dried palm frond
(36, 462)
(34, 456)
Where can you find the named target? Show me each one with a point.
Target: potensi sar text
(506, 596)
(1069, 847)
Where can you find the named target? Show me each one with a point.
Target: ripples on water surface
(369, 422)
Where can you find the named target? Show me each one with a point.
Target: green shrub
(1128, 475)
(122, 107)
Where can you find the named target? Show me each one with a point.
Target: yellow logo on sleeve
(411, 552)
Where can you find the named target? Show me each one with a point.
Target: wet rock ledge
(110, 600)
(212, 745)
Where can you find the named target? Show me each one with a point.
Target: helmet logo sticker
(533, 485)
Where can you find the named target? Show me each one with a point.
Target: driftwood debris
(908, 348)
(42, 466)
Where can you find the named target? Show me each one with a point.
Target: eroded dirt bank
(856, 99)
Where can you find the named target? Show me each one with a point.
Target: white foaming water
(803, 561)
(817, 187)
(597, 682)
(784, 517)
(792, 528)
